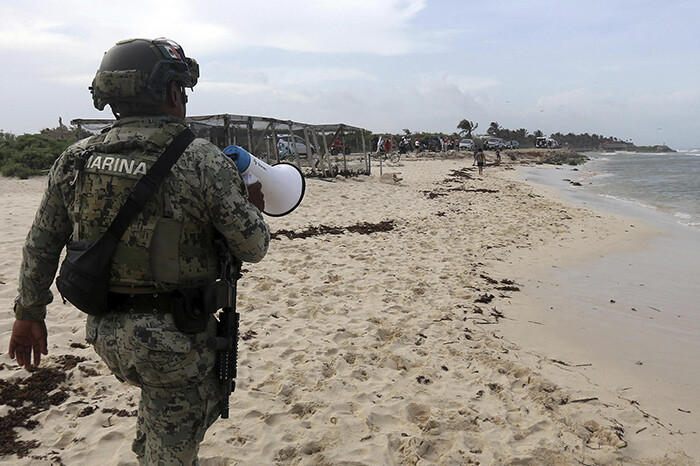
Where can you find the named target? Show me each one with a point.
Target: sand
(416, 345)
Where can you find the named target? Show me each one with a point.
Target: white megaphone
(283, 184)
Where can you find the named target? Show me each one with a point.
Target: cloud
(264, 90)
(380, 27)
(361, 26)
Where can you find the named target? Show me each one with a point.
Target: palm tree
(467, 127)
(494, 129)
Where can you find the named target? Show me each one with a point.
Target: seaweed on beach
(507, 288)
(456, 175)
(488, 279)
(29, 396)
(433, 194)
(363, 228)
(484, 298)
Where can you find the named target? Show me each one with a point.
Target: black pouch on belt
(188, 311)
(84, 276)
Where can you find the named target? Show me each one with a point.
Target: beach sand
(413, 332)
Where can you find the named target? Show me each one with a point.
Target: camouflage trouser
(179, 388)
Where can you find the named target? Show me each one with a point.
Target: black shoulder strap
(148, 183)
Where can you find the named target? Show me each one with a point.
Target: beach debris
(120, 412)
(497, 314)
(249, 334)
(612, 301)
(558, 361)
(683, 411)
(583, 400)
(363, 228)
(508, 288)
(30, 396)
(485, 298)
(423, 380)
(88, 410)
(88, 371)
(433, 194)
(482, 190)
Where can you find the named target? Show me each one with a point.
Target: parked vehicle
(466, 144)
(547, 143)
(292, 144)
(511, 145)
(493, 143)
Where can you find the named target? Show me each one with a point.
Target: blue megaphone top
(240, 156)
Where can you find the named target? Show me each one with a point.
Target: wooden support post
(368, 165)
(309, 151)
(250, 134)
(262, 138)
(274, 142)
(342, 143)
(321, 153)
(325, 148)
(227, 134)
(293, 143)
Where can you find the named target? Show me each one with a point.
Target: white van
(285, 145)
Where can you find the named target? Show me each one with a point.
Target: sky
(623, 68)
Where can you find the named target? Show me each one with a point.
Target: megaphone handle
(249, 179)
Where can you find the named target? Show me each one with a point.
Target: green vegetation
(30, 154)
(467, 127)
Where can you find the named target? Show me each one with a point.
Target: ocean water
(667, 182)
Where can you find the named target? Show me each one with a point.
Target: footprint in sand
(418, 413)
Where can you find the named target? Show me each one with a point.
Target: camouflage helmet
(135, 73)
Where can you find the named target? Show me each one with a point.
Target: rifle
(226, 341)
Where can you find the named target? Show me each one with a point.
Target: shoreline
(374, 345)
(637, 302)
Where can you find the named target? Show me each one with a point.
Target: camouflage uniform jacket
(169, 244)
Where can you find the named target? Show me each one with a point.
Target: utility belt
(190, 307)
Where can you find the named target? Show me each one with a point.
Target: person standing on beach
(168, 248)
(498, 156)
(480, 159)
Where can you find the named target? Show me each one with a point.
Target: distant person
(480, 159)
(403, 145)
(498, 156)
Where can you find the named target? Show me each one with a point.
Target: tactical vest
(161, 249)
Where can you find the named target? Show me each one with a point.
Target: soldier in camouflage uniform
(168, 247)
